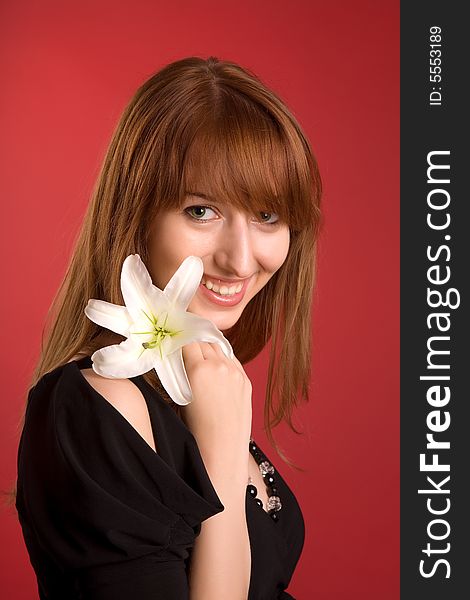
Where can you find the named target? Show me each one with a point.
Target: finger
(192, 353)
(218, 350)
(240, 367)
(207, 349)
(238, 364)
(220, 354)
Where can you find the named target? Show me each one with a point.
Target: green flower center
(158, 332)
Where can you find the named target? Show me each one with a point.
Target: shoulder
(75, 399)
(126, 398)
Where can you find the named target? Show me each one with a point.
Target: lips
(224, 300)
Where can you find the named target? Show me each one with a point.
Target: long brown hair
(201, 124)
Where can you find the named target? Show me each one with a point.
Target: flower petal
(123, 360)
(172, 375)
(113, 317)
(194, 328)
(138, 291)
(185, 282)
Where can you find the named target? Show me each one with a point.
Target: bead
(274, 516)
(266, 467)
(259, 502)
(274, 503)
(252, 490)
(269, 480)
(274, 491)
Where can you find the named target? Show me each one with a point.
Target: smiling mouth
(222, 294)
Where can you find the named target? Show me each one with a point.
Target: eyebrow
(200, 195)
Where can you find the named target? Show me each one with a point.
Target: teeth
(223, 290)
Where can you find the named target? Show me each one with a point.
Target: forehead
(237, 172)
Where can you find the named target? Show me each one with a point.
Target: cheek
(164, 257)
(275, 251)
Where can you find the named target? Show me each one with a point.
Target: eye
(265, 216)
(197, 211)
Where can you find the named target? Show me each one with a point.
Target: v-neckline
(86, 363)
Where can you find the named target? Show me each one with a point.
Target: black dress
(104, 517)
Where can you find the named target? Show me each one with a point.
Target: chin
(221, 322)
(223, 318)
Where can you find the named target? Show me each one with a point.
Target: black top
(105, 517)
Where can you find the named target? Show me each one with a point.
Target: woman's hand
(220, 414)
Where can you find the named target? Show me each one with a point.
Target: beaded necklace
(267, 471)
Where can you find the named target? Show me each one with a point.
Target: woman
(122, 493)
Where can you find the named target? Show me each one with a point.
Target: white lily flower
(156, 325)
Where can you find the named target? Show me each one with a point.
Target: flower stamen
(159, 333)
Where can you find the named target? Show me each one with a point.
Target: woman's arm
(221, 559)
(220, 420)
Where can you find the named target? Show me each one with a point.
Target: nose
(235, 253)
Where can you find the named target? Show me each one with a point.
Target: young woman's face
(237, 251)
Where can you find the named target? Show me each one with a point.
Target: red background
(68, 69)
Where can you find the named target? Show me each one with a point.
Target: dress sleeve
(101, 502)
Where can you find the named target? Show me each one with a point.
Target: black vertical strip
(435, 254)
